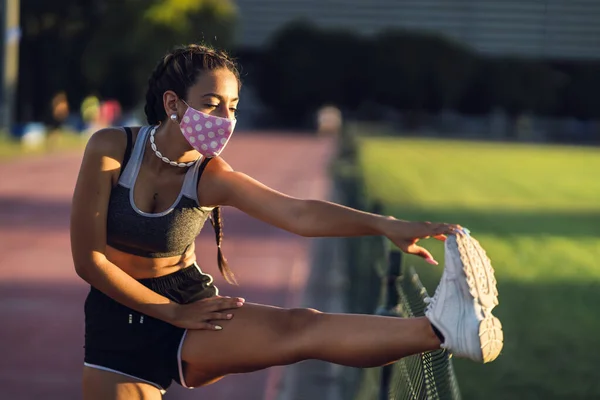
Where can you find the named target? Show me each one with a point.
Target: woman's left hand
(406, 234)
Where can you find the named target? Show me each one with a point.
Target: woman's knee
(298, 319)
(195, 378)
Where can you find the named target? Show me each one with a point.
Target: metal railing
(428, 375)
(371, 263)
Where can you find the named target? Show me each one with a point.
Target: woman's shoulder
(110, 141)
(217, 165)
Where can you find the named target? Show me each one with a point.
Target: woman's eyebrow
(218, 96)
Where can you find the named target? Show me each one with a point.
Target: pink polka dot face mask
(206, 133)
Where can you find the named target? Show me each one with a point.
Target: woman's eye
(211, 105)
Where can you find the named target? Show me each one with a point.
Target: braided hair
(179, 70)
(217, 223)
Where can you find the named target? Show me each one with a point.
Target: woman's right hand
(205, 313)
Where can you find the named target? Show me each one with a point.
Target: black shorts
(121, 340)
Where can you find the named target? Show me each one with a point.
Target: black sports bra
(153, 235)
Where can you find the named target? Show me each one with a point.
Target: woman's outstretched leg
(261, 336)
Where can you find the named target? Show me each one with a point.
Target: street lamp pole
(10, 37)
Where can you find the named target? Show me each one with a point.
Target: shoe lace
(430, 301)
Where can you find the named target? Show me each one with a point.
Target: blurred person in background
(153, 316)
(329, 120)
(60, 111)
(110, 112)
(90, 113)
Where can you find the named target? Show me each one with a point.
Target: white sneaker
(461, 307)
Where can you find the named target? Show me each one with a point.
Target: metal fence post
(390, 301)
(390, 297)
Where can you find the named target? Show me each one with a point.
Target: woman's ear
(170, 100)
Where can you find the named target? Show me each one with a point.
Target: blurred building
(554, 29)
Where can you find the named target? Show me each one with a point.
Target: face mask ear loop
(187, 105)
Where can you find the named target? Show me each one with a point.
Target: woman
(152, 316)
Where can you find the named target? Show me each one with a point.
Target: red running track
(41, 297)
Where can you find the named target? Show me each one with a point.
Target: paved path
(41, 298)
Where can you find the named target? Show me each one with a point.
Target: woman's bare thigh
(256, 337)
(104, 385)
(260, 337)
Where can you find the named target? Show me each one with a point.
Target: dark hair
(178, 71)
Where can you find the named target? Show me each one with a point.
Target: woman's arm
(88, 228)
(310, 218)
(88, 231)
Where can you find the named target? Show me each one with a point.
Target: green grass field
(65, 141)
(536, 210)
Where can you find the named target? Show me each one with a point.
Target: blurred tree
(286, 81)
(54, 35)
(418, 71)
(521, 86)
(580, 96)
(398, 69)
(304, 68)
(516, 85)
(182, 15)
(108, 47)
(525, 85)
(134, 34)
(450, 66)
(478, 97)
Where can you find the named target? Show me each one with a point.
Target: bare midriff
(143, 267)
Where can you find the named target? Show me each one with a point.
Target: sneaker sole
(482, 286)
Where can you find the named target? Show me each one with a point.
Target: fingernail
(241, 299)
(218, 327)
(239, 304)
(431, 261)
(229, 316)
